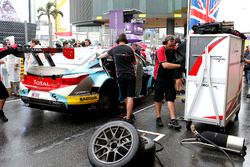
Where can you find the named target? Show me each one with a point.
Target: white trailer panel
(214, 78)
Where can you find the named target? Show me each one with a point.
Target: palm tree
(49, 10)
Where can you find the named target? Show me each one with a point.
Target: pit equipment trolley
(214, 78)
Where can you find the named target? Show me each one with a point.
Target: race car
(77, 78)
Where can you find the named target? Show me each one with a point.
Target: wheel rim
(112, 144)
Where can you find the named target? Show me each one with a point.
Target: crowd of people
(73, 43)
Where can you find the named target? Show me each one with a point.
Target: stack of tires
(118, 144)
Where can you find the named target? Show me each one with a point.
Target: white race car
(76, 78)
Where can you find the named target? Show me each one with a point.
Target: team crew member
(164, 81)
(124, 60)
(3, 91)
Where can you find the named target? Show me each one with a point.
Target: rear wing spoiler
(67, 52)
(48, 52)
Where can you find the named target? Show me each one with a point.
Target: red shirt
(162, 74)
(160, 53)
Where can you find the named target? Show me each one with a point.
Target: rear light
(73, 79)
(25, 79)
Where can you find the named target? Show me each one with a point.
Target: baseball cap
(167, 38)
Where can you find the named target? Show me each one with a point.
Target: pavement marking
(159, 135)
(65, 140)
(10, 101)
(144, 108)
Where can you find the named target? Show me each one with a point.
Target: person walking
(164, 81)
(124, 60)
(3, 91)
(247, 65)
(13, 68)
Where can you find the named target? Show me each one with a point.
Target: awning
(66, 34)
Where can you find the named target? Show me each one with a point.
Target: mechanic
(3, 91)
(124, 60)
(165, 65)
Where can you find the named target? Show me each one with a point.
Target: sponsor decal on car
(41, 83)
(86, 99)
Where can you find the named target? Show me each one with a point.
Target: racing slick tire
(115, 144)
(108, 97)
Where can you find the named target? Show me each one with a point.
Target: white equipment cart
(214, 78)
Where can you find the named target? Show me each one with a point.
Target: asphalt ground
(36, 138)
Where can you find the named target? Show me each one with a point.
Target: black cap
(168, 38)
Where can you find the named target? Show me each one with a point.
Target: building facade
(156, 13)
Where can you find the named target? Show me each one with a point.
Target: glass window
(170, 6)
(158, 10)
(178, 5)
(99, 10)
(88, 29)
(142, 5)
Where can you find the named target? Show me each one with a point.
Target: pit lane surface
(36, 138)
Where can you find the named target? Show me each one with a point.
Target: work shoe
(159, 122)
(3, 117)
(174, 124)
(132, 116)
(130, 120)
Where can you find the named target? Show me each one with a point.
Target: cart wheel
(222, 130)
(188, 124)
(243, 153)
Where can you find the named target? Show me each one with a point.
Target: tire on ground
(115, 144)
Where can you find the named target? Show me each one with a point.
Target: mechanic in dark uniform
(164, 73)
(124, 60)
(3, 91)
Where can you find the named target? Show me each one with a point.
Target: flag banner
(203, 11)
(116, 20)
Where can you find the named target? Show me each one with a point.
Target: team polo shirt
(161, 74)
(124, 59)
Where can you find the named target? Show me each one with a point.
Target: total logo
(41, 83)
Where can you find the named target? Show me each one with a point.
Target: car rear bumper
(41, 102)
(69, 103)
